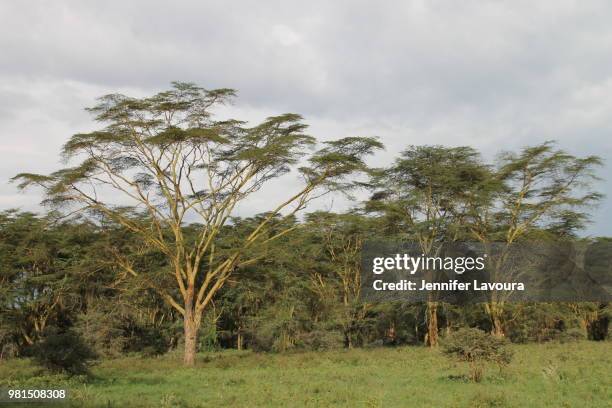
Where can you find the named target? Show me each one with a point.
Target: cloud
(489, 74)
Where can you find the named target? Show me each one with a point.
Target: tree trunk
(431, 339)
(191, 336)
(192, 321)
(494, 311)
(348, 343)
(498, 328)
(391, 335)
(239, 339)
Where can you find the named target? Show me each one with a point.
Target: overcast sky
(490, 74)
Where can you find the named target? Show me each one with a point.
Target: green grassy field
(550, 375)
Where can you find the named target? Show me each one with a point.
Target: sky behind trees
(492, 75)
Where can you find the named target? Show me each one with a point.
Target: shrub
(208, 336)
(8, 347)
(64, 352)
(152, 341)
(476, 348)
(572, 335)
(101, 330)
(8, 350)
(274, 334)
(260, 338)
(319, 340)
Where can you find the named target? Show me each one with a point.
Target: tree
(342, 240)
(261, 285)
(423, 196)
(36, 288)
(162, 160)
(540, 187)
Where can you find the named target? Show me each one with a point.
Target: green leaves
(538, 186)
(83, 141)
(278, 141)
(162, 160)
(475, 346)
(28, 179)
(194, 136)
(346, 155)
(57, 184)
(544, 182)
(425, 193)
(443, 170)
(339, 158)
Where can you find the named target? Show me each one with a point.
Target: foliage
(321, 339)
(422, 198)
(475, 347)
(102, 331)
(168, 157)
(176, 268)
(274, 304)
(64, 352)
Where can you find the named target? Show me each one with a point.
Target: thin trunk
(239, 340)
(391, 334)
(348, 343)
(432, 324)
(495, 313)
(27, 338)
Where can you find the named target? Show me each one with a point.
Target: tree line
(141, 250)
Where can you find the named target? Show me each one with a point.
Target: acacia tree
(541, 187)
(165, 159)
(342, 237)
(423, 196)
(36, 286)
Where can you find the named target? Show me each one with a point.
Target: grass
(549, 375)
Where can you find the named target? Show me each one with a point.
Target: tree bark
(239, 339)
(494, 311)
(191, 336)
(191, 326)
(432, 324)
(498, 328)
(348, 343)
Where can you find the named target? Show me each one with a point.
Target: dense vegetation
(61, 276)
(176, 269)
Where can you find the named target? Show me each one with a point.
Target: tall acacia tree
(165, 159)
(540, 187)
(423, 195)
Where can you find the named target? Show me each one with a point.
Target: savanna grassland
(548, 375)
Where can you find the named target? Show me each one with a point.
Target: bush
(208, 336)
(64, 352)
(476, 348)
(152, 341)
(572, 335)
(319, 340)
(273, 334)
(101, 330)
(8, 348)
